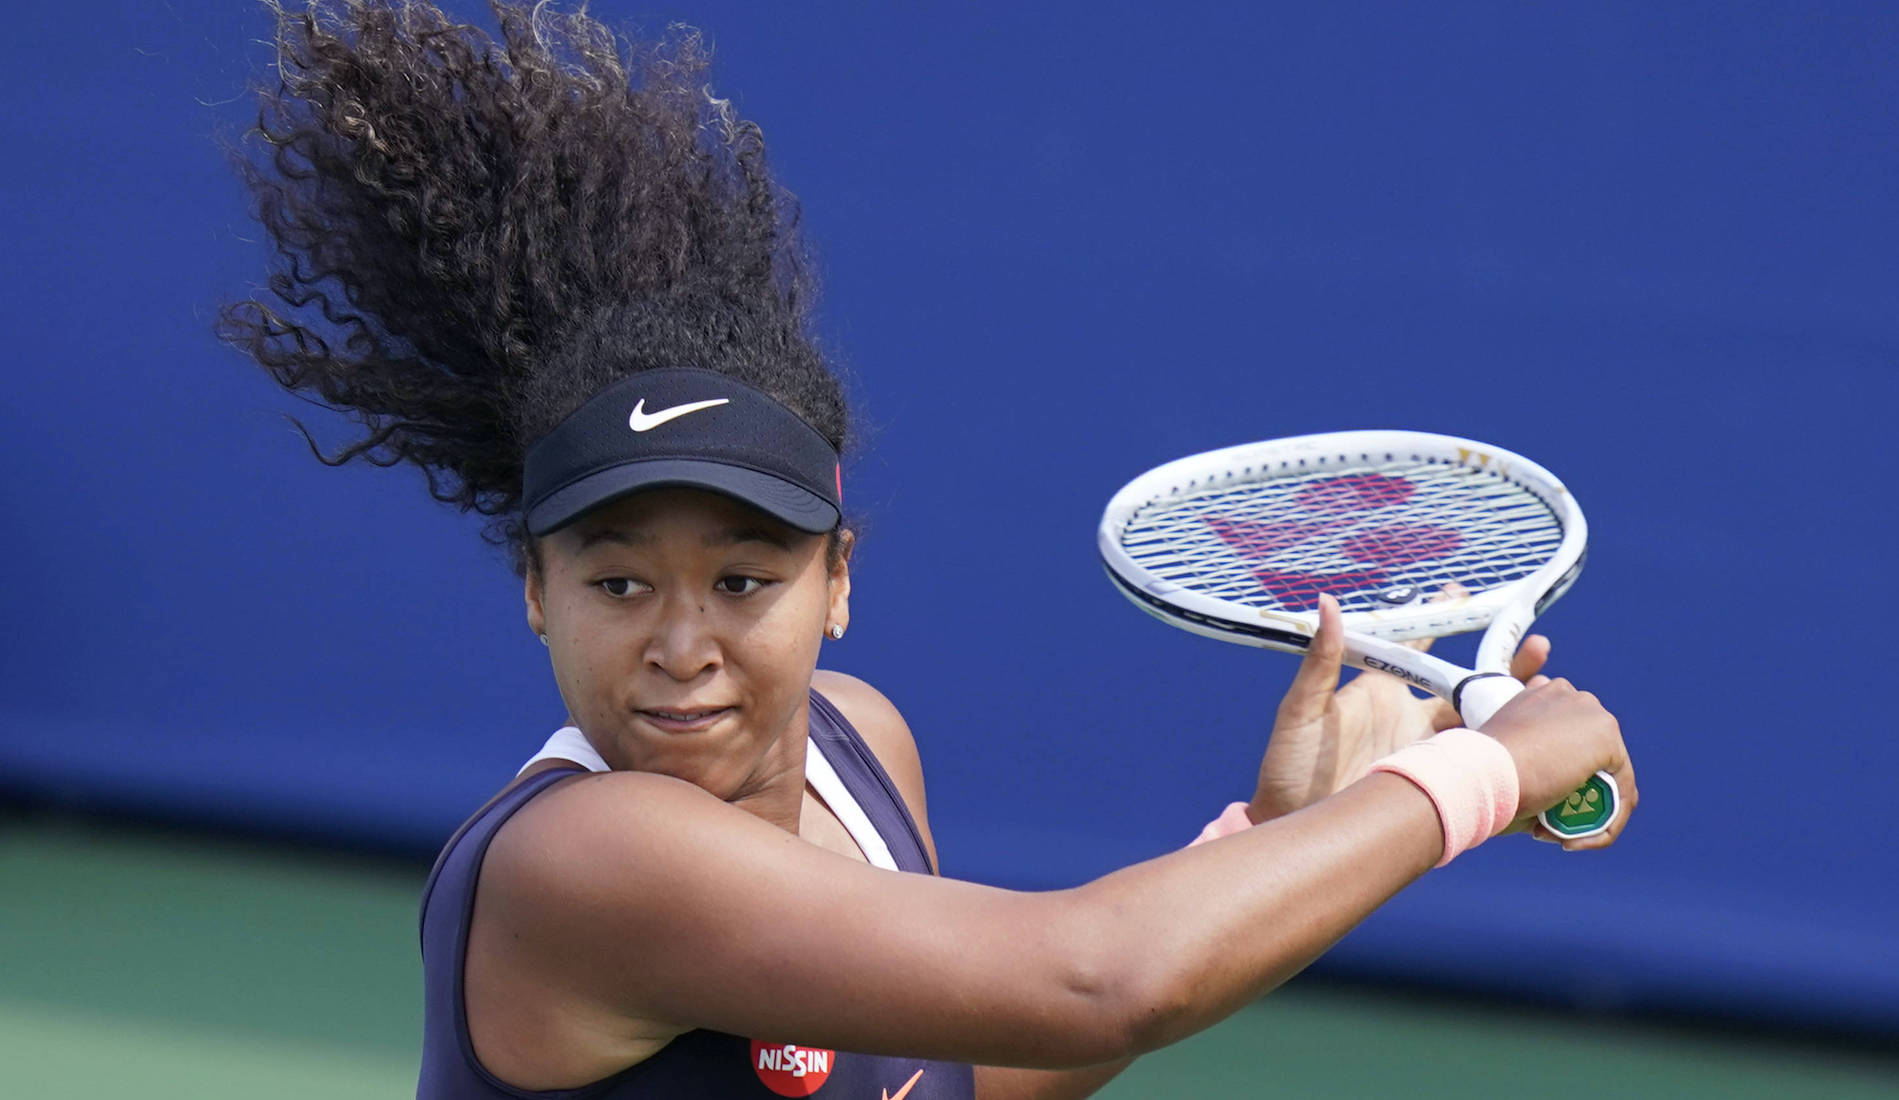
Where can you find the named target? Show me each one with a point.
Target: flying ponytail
(476, 235)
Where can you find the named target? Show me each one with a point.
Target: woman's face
(684, 628)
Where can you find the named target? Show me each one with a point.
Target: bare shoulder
(546, 865)
(566, 837)
(540, 1015)
(882, 726)
(876, 718)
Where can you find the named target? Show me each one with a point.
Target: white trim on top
(830, 787)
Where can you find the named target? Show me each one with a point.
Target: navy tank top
(699, 1064)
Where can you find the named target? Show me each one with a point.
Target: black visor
(682, 428)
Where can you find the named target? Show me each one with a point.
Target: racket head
(1236, 544)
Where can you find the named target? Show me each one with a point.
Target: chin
(714, 761)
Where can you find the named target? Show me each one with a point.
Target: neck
(775, 791)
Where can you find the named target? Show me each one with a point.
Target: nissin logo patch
(791, 1070)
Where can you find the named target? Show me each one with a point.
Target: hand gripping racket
(1237, 544)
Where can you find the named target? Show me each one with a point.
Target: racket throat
(1481, 695)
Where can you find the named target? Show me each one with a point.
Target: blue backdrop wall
(1650, 245)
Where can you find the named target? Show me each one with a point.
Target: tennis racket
(1237, 544)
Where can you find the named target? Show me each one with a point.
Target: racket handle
(1589, 809)
(1481, 695)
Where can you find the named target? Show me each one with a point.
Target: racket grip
(1589, 809)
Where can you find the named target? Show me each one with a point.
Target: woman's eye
(620, 587)
(739, 586)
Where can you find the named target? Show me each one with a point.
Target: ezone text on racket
(1401, 673)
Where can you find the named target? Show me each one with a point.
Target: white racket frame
(1371, 637)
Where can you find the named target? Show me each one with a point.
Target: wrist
(1234, 819)
(1260, 811)
(1471, 780)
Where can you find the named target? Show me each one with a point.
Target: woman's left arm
(1324, 737)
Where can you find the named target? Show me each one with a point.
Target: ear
(536, 616)
(839, 581)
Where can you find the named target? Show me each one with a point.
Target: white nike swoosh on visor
(643, 421)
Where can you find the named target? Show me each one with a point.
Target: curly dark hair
(476, 236)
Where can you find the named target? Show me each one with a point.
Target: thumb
(1310, 695)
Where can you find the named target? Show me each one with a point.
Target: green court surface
(169, 966)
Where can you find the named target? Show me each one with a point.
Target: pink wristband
(1471, 779)
(1232, 820)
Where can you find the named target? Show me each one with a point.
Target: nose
(683, 643)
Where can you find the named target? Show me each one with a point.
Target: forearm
(1009, 1083)
(1223, 923)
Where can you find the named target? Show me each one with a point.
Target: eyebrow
(595, 536)
(730, 536)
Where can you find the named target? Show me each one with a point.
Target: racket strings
(1277, 542)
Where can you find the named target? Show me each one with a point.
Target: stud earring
(836, 631)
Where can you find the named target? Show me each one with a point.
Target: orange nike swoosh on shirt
(907, 1086)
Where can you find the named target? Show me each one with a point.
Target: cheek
(788, 638)
(776, 653)
(587, 655)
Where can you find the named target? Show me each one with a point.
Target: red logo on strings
(1400, 543)
(1355, 493)
(1330, 504)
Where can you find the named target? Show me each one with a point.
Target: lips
(684, 719)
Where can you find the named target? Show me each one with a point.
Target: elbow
(1124, 996)
(1149, 1011)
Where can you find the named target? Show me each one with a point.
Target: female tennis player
(553, 273)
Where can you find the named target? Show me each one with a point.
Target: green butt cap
(1588, 809)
